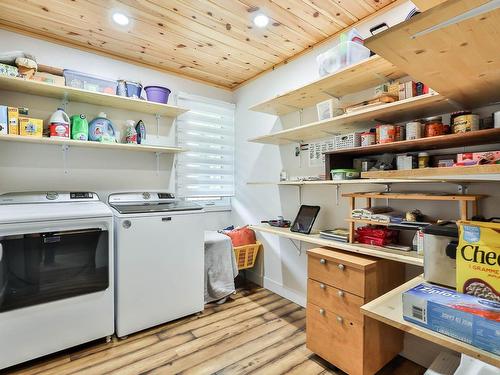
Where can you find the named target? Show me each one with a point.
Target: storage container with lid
(440, 248)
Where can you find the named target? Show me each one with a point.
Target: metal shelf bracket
(157, 155)
(65, 149)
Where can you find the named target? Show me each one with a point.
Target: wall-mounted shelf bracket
(157, 116)
(297, 247)
(157, 155)
(337, 195)
(65, 149)
(65, 102)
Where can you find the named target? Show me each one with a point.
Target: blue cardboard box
(470, 319)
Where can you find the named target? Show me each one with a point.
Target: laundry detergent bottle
(130, 133)
(101, 129)
(59, 124)
(79, 127)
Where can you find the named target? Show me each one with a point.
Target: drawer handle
(340, 319)
(322, 286)
(322, 311)
(322, 261)
(340, 293)
(341, 267)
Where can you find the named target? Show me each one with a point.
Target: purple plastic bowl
(157, 94)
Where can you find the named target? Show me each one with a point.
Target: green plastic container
(344, 174)
(79, 127)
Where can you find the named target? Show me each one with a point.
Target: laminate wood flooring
(255, 332)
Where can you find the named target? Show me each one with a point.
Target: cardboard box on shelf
(32, 127)
(474, 158)
(478, 256)
(13, 118)
(466, 318)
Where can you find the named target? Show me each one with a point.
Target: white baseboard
(279, 289)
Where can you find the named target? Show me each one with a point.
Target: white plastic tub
(342, 55)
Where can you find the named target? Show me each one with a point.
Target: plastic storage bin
(349, 140)
(89, 82)
(342, 55)
(246, 255)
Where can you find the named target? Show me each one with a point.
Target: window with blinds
(206, 170)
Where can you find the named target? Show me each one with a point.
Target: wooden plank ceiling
(213, 41)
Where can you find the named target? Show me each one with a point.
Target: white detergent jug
(59, 124)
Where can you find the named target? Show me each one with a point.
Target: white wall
(40, 167)
(282, 266)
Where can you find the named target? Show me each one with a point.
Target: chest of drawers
(338, 284)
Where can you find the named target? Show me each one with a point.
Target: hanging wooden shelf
(471, 173)
(341, 182)
(357, 77)
(89, 144)
(479, 137)
(461, 60)
(407, 109)
(84, 96)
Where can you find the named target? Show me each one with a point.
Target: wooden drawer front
(340, 343)
(336, 300)
(336, 274)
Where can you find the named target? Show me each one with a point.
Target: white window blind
(206, 170)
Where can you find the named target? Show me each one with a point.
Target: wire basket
(246, 255)
(349, 140)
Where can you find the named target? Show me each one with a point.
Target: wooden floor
(256, 332)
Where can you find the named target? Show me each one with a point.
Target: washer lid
(38, 212)
(155, 207)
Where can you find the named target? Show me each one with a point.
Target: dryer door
(47, 266)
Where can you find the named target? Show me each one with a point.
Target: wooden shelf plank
(388, 309)
(442, 58)
(415, 196)
(471, 173)
(89, 97)
(479, 137)
(407, 109)
(357, 77)
(90, 144)
(341, 182)
(409, 257)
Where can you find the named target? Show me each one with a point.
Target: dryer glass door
(41, 267)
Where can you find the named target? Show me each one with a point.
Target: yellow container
(13, 116)
(32, 127)
(246, 255)
(478, 257)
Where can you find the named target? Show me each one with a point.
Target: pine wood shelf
(471, 173)
(89, 144)
(461, 61)
(416, 196)
(408, 257)
(407, 109)
(475, 138)
(373, 181)
(357, 77)
(83, 96)
(388, 309)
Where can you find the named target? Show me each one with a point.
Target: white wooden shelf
(357, 77)
(409, 257)
(388, 309)
(90, 144)
(407, 109)
(89, 97)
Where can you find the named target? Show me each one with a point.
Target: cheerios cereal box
(478, 259)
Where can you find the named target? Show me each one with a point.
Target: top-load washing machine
(159, 259)
(56, 273)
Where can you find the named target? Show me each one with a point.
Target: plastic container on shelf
(157, 94)
(348, 51)
(89, 82)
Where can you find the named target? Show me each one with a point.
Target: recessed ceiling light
(261, 20)
(121, 19)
